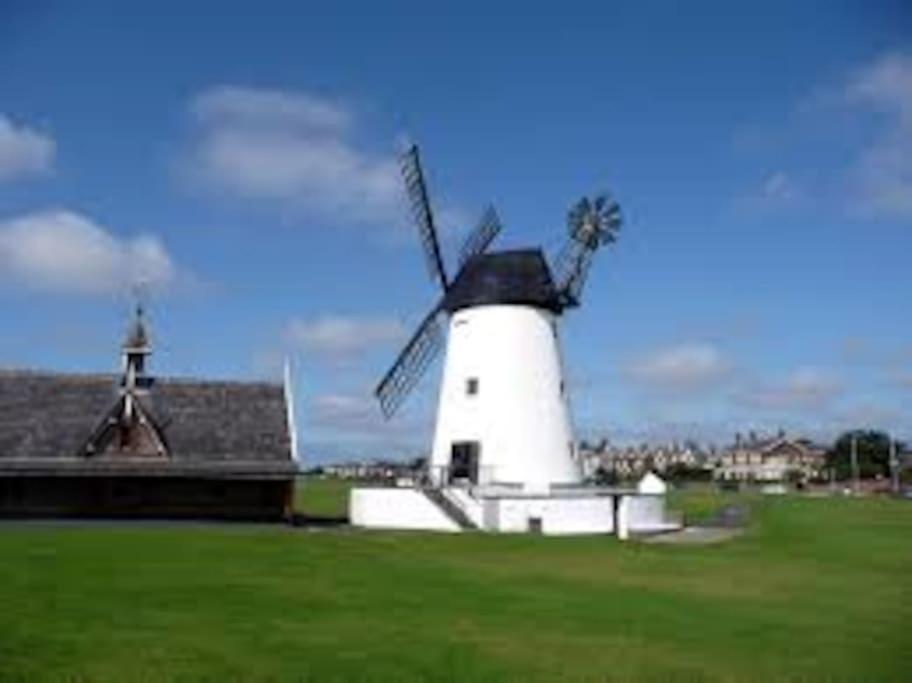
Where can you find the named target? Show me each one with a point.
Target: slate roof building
(139, 446)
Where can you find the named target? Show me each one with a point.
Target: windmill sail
(411, 364)
(483, 234)
(410, 165)
(571, 268)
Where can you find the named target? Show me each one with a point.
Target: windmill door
(464, 459)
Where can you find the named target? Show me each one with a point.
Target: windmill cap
(520, 277)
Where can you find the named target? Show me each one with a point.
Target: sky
(240, 163)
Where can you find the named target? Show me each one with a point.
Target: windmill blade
(571, 269)
(411, 364)
(483, 234)
(410, 164)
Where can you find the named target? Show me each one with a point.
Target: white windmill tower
(503, 417)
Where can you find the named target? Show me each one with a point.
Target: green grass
(701, 502)
(323, 498)
(817, 590)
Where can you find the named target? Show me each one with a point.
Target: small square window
(472, 386)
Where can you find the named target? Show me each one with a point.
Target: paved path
(695, 535)
(724, 525)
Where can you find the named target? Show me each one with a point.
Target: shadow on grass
(300, 519)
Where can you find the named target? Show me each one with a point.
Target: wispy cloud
(293, 150)
(24, 151)
(356, 421)
(882, 176)
(904, 380)
(867, 115)
(343, 337)
(345, 411)
(684, 367)
(805, 388)
(64, 251)
(780, 187)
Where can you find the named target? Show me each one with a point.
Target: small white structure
(504, 456)
(646, 511)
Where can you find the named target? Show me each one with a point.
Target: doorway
(464, 459)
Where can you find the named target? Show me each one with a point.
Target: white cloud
(779, 187)
(882, 176)
(23, 151)
(805, 388)
(58, 250)
(342, 336)
(294, 150)
(244, 106)
(356, 418)
(344, 411)
(680, 368)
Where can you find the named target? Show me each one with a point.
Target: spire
(137, 348)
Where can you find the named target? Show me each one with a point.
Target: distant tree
(605, 477)
(873, 449)
(681, 472)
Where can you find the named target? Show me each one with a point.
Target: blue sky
(241, 162)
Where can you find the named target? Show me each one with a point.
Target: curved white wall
(520, 414)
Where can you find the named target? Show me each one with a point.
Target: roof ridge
(184, 379)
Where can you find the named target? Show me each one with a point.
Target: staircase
(449, 508)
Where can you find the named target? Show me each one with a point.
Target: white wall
(520, 414)
(389, 508)
(470, 505)
(646, 513)
(559, 516)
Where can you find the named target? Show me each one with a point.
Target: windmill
(503, 415)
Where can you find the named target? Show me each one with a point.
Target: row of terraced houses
(753, 457)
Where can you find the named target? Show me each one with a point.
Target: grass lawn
(323, 498)
(817, 590)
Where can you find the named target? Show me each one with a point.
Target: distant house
(774, 459)
(135, 445)
(632, 462)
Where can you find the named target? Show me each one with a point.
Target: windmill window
(472, 386)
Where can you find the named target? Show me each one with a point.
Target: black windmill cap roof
(520, 277)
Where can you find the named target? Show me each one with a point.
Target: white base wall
(410, 508)
(399, 508)
(556, 516)
(471, 506)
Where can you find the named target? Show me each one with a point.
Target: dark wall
(162, 497)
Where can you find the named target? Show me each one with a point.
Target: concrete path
(724, 525)
(695, 535)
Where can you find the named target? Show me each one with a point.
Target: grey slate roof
(209, 426)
